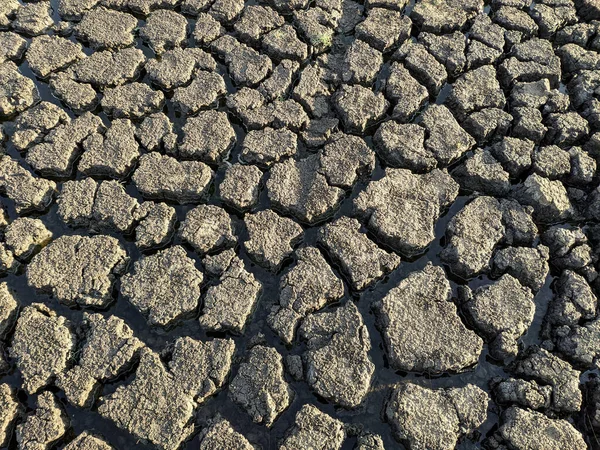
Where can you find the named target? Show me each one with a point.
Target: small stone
(241, 186)
(259, 386)
(338, 366)
(402, 208)
(447, 141)
(361, 260)
(229, 304)
(313, 429)
(26, 190)
(156, 224)
(174, 291)
(113, 154)
(133, 100)
(106, 28)
(359, 107)
(42, 345)
(162, 177)
(109, 68)
(268, 146)
(164, 30)
(108, 350)
(270, 238)
(33, 19)
(45, 426)
(208, 136)
(26, 236)
(47, 54)
(435, 418)
(207, 228)
(78, 270)
(17, 93)
(221, 435)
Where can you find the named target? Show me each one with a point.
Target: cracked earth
(299, 225)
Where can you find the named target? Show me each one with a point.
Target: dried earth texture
(299, 225)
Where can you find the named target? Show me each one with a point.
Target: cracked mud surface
(294, 224)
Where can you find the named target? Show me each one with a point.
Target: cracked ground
(299, 225)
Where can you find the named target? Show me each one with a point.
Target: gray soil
(299, 225)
